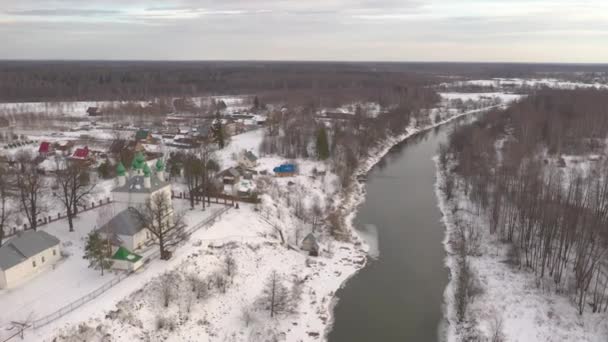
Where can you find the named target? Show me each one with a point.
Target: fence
(60, 215)
(87, 298)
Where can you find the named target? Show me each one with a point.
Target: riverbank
(355, 197)
(501, 302)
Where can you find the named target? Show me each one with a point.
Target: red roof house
(45, 148)
(81, 153)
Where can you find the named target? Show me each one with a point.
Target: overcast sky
(394, 30)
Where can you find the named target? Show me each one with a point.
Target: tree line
(511, 166)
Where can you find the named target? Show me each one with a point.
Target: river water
(398, 296)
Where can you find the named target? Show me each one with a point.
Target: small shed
(123, 259)
(309, 244)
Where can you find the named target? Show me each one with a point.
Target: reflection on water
(369, 233)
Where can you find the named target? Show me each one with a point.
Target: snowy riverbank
(504, 301)
(356, 195)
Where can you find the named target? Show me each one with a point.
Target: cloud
(524, 30)
(65, 12)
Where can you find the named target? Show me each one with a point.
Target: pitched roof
(125, 222)
(81, 153)
(45, 147)
(25, 246)
(125, 255)
(249, 155)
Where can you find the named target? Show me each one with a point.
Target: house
(285, 170)
(25, 254)
(45, 149)
(229, 176)
(309, 244)
(247, 159)
(126, 230)
(93, 111)
(144, 135)
(82, 154)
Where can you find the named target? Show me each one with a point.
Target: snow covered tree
(217, 130)
(275, 296)
(97, 252)
(322, 144)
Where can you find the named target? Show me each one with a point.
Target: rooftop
(125, 222)
(25, 246)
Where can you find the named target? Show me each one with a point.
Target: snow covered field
(505, 98)
(533, 83)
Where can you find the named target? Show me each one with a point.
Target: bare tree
(30, 190)
(164, 224)
(6, 213)
(74, 187)
(275, 296)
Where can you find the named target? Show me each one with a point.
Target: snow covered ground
(505, 97)
(534, 83)
(512, 299)
(250, 236)
(53, 287)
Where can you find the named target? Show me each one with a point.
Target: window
(33, 263)
(54, 252)
(43, 260)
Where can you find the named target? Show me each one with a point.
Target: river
(398, 296)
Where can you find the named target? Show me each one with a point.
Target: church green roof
(160, 166)
(125, 255)
(138, 161)
(120, 169)
(147, 171)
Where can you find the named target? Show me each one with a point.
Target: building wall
(2, 280)
(136, 241)
(135, 199)
(17, 273)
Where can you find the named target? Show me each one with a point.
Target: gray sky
(395, 30)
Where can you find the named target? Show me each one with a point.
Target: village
(141, 195)
(143, 199)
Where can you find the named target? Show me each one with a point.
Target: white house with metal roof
(25, 255)
(126, 230)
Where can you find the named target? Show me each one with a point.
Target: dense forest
(538, 173)
(37, 81)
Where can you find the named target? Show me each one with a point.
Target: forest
(537, 173)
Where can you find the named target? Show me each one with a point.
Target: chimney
(122, 180)
(160, 175)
